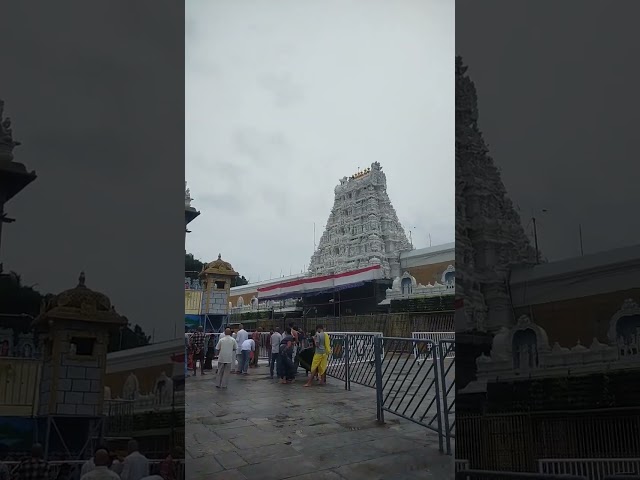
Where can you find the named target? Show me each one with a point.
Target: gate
(447, 383)
(352, 358)
(406, 387)
(410, 386)
(422, 352)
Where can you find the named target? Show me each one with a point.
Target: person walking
(276, 338)
(136, 465)
(320, 357)
(227, 348)
(248, 346)
(34, 467)
(241, 336)
(197, 347)
(256, 338)
(234, 363)
(286, 371)
(101, 470)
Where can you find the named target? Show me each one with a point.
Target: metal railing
(447, 383)
(591, 468)
(405, 387)
(517, 440)
(435, 337)
(352, 358)
(498, 475)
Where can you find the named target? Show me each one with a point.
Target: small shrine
(73, 329)
(523, 351)
(216, 278)
(406, 287)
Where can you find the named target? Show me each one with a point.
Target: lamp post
(535, 234)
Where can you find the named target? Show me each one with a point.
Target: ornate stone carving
(629, 310)
(131, 388)
(163, 390)
(219, 267)
(7, 143)
(362, 226)
(489, 235)
(407, 287)
(80, 303)
(187, 196)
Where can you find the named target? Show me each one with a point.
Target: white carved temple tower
(363, 228)
(490, 239)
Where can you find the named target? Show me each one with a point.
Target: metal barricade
(447, 387)
(498, 475)
(435, 337)
(406, 387)
(352, 357)
(591, 468)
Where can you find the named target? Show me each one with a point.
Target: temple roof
(80, 304)
(219, 267)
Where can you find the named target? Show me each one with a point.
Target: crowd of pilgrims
(103, 465)
(288, 351)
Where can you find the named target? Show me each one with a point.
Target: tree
(128, 338)
(238, 281)
(192, 266)
(17, 298)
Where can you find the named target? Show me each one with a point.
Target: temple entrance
(525, 349)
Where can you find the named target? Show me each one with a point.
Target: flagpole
(581, 246)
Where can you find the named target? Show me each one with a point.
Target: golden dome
(80, 303)
(219, 267)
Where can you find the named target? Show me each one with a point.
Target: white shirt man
(136, 466)
(87, 467)
(100, 473)
(241, 336)
(276, 338)
(99, 469)
(247, 346)
(226, 348)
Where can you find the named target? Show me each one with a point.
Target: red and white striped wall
(308, 285)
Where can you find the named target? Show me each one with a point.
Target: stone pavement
(259, 429)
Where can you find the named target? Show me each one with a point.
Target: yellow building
(192, 302)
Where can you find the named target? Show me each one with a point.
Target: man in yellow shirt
(321, 356)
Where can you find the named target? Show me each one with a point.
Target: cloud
(303, 95)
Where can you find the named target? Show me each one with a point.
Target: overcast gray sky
(284, 98)
(559, 98)
(94, 90)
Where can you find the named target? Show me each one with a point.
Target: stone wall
(76, 380)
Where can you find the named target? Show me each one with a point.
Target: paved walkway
(259, 429)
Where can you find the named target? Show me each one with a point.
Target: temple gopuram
(550, 351)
